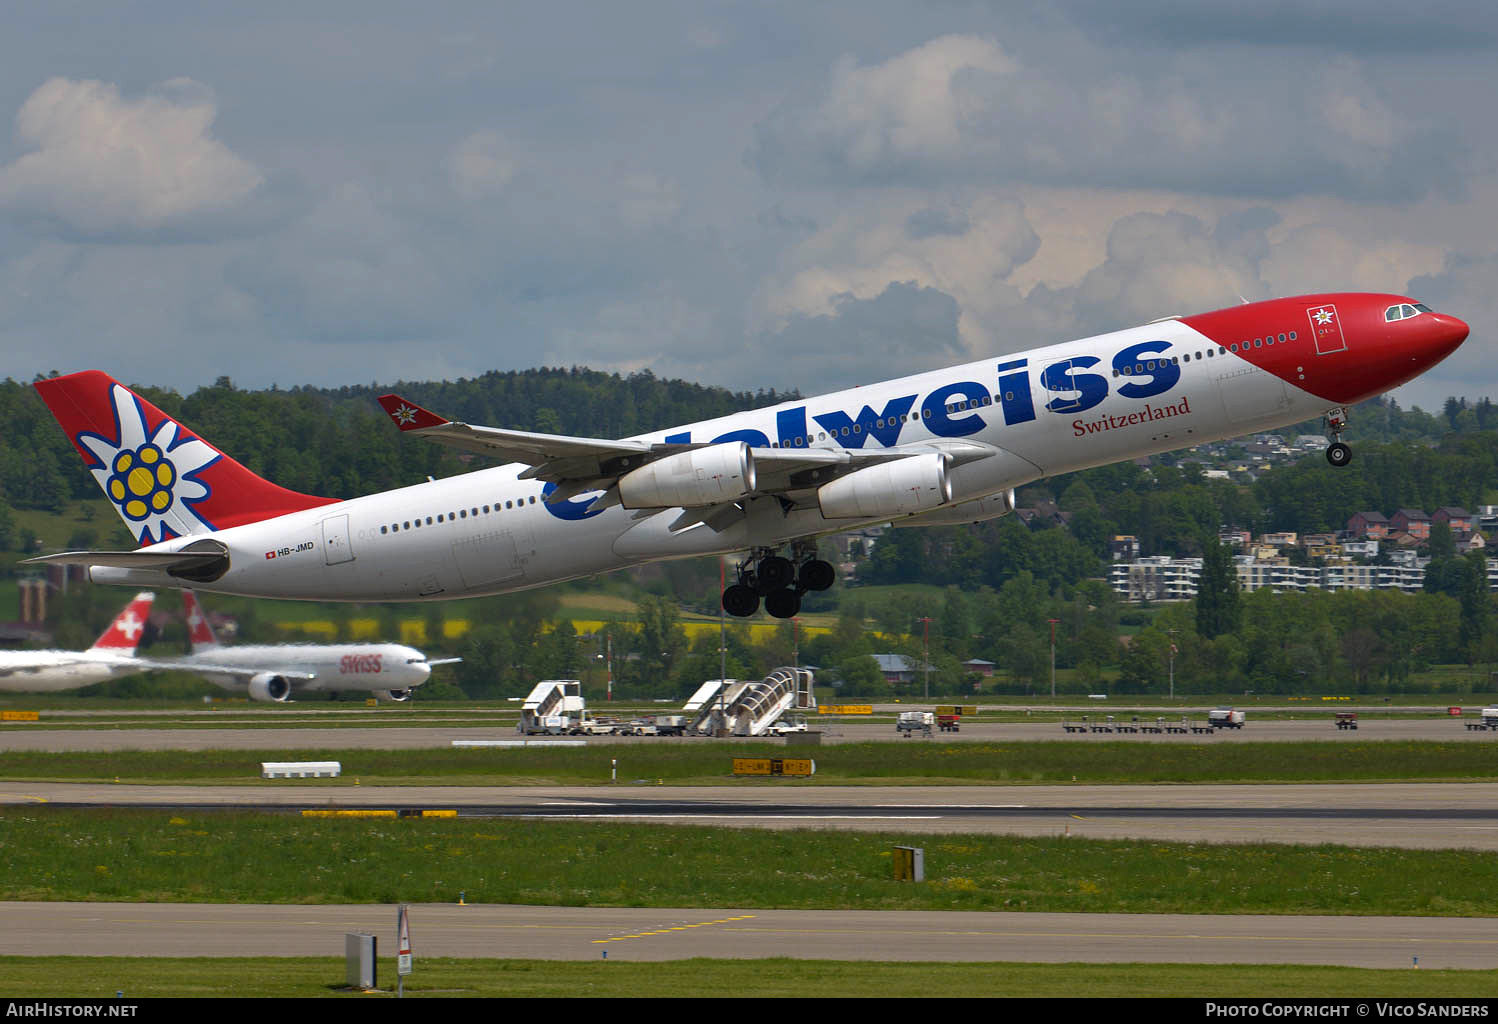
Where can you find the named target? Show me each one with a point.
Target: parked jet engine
(270, 687)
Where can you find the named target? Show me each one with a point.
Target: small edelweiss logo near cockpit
(149, 478)
(1324, 315)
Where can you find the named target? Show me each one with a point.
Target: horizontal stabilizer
(162, 561)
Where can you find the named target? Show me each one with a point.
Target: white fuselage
(54, 671)
(1049, 411)
(318, 667)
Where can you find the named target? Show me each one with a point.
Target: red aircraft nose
(1442, 336)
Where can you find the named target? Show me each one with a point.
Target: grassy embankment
(890, 763)
(253, 857)
(433, 977)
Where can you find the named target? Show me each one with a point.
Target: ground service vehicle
(1488, 720)
(911, 722)
(1225, 718)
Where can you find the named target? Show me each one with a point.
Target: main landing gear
(779, 581)
(1337, 453)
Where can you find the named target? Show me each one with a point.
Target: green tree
(1217, 596)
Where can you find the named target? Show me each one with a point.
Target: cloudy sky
(748, 194)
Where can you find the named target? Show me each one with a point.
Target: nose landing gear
(779, 581)
(1337, 453)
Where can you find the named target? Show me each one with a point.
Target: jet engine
(975, 511)
(899, 488)
(392, 694)
(703, 476)
(269, 686)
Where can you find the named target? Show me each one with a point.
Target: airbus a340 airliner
(938, 448)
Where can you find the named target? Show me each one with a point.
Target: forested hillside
(339, 443)
(996, 584)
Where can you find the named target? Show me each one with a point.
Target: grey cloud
(960, 109)
(934, 220)
(904, 329)
(99, 166)
(1342, 26)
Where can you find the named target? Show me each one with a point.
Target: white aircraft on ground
(111, 656)
(271, 672)
(938, 448)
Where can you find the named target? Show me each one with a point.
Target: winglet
(408, 415)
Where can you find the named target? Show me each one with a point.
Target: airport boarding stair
(549, 697)
(732, 707)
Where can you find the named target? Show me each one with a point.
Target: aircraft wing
(581, 464)
(35, 667)
(238, 671)
(513, 445)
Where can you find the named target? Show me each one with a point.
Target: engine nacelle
(691, 479)
(975, 511)
(898, 488)
(271, 687)
(392, 694)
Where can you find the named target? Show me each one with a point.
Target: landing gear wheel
(772, 573)
(816, 575)
(740, 601)
(1339, 454)
(783, 604)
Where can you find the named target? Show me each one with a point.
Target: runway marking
(23, 796)
(741, 817)
(674, 928)
(970, 807)
(1192, 936)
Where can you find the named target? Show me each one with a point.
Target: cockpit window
(1422, 307)
(1404, 311)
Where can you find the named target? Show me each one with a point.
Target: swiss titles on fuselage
(1067, 385)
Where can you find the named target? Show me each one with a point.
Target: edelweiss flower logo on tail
(150, 478)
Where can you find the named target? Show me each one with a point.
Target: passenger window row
(448, 517)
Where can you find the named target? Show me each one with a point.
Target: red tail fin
(124, 632)
(199, 630)
(163, 479)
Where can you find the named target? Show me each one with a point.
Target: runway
(588, 933)
(1410, 815)
(225, 733)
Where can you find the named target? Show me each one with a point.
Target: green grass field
(245, 857)
(432, 977)
(889, 763)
